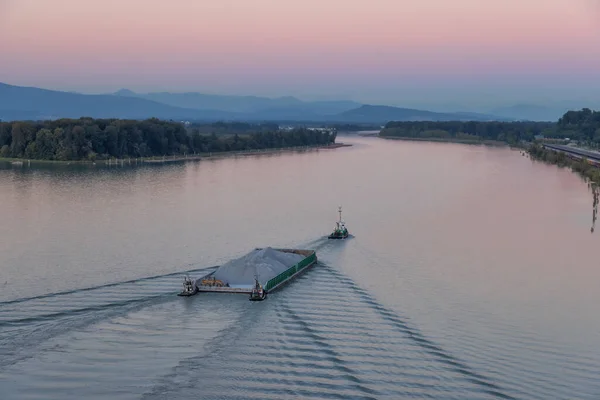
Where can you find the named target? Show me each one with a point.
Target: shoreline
(170, 159)
(590, 172)
(444, 140)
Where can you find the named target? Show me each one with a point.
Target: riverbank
(171, 159)
(446, 140)
(581, 166)
(368, 134)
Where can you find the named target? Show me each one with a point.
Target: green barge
(257, 273)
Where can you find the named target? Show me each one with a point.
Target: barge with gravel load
(257, 273)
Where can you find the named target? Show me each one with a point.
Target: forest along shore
(108, 141)
(174, 159)
(581, 127)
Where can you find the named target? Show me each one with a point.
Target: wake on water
(321, 336)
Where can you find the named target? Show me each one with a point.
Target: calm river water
(472, 274)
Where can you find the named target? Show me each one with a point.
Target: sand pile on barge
(264, 263)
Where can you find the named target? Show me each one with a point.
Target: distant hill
(383, 114)
(18, 102)
(261, 107)
(21, 115)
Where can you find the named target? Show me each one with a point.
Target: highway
(592, 155)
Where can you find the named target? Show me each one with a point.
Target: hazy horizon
(464, 54)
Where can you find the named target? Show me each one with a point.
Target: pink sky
(279, 47)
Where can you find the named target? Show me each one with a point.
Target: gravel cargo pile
(266, 263)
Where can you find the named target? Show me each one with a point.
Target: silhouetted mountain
(384, 114)
(20, 115)
(17, 101)
(269, 107)
(125, 92)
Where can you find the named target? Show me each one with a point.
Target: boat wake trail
(324, 244)
(323, 337)
(320, 337)
(96, 288)
(27, 322)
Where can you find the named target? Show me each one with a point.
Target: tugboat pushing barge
(189, 287)
(258, 293)
(256, 274)
(340, 231)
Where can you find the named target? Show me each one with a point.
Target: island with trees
(88, 139)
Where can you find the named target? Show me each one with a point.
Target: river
(471, 274)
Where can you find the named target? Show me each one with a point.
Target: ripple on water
(321, 337)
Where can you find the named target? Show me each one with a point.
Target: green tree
(18, 142)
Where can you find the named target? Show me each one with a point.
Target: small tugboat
(189, 288)
(258, 293)
(340, 231)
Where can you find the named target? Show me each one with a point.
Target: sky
(441, 53)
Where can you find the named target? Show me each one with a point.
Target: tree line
(509, 132)
(91, 139)
(583, 126)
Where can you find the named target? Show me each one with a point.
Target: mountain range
(18, 103)
(243, 104)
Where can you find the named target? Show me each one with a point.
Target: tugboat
(340, 231)
(189, 288)
(258, 293)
